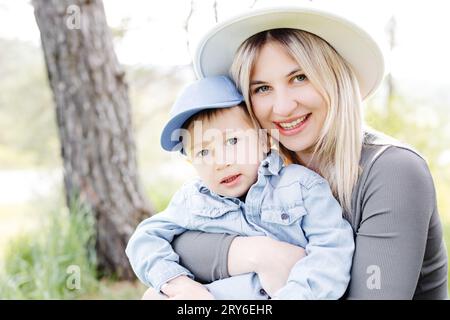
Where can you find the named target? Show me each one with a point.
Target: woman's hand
(184, 288)
(272, 260)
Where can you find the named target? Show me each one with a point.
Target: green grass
(116, 290)
(40, 241)
(15, 219)
(55, 261)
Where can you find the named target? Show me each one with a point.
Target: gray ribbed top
(400, 252)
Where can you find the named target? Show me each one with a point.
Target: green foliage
(37, 264)
(27, 114)
(161, 192)
(421, 126)
(414, 123)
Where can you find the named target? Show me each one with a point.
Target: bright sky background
(420, 61)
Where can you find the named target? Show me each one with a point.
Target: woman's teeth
(293, 124)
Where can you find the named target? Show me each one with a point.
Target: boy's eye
(202, 153)
(232, 141)
(300, 77)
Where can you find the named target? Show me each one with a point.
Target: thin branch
(391, 29)
(191, 11)
(186, 24)
(215, 11)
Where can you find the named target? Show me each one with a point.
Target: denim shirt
(287, 203)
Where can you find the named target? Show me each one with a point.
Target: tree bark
(94, 120)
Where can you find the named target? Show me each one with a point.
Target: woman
(304, 73)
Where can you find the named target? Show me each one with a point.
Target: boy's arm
(149, 250)
(184, 288)
(324, 273)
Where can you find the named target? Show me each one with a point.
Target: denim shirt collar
(271, 165)
(202, 188)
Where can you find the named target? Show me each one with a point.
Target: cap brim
(215, 52)
(170, 136)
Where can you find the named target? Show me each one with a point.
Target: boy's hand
(184, 288)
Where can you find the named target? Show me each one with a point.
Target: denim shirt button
(284, 216)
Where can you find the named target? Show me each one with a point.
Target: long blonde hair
(337, 150)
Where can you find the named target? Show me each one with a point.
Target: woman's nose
(284, 104)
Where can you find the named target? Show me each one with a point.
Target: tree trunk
(94, 120)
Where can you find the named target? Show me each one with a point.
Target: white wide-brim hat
(215, 52)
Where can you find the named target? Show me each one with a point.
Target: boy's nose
(222, 160)
(221, 166)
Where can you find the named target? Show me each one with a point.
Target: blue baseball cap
(208, 93)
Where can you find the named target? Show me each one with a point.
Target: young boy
(242, 189)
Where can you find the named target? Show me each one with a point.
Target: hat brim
(170, 137)
(215, 52)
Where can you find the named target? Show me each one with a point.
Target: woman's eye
(202, 153)
(300, 77)
(232, 141)
(262, 89)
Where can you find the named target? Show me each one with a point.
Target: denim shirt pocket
(283, 205)
(284, 215)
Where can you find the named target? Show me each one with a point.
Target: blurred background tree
(93, 114)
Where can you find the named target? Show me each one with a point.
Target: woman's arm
(211, 256)
(397, 205)
(204, 254)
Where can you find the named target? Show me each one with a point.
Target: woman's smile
(292, 126)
